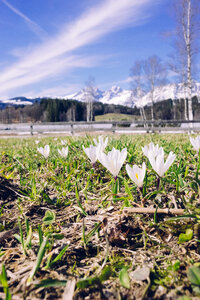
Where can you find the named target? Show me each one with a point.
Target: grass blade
(40, 256)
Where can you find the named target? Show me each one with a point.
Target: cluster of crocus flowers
(46, 151)
(92, 152)
(112, 161)
(195, 143)
(155, 154)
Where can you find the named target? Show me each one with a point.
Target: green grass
(116, 117)
(70, 225)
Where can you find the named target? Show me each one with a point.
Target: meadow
(69, 229)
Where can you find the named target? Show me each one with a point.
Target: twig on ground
(146, 210)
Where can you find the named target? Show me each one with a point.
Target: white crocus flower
(63, 152)
(151, 150)
(101, 142)
(195, 143)
(137, 174)
(44, 151)
(158, 164)
(91, 153)
(37, 142)
(63, 142)
(113, 161)
(101, 145)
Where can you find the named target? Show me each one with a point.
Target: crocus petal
(130, 173)
(169, 161)
(195, 142)
(152, 160)
(160, 164)
(122, 156)
(143, 170)
(91, 153)
(104, 160)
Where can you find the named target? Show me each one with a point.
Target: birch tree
(154, 76)
(177, 66)
(136, 73)
(90, 97)
(187, 35)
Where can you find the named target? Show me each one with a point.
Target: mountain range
(117, 96)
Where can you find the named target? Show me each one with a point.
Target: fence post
(31, 128)
(147, 128)
(114, 125)
(191, 127)
(72, 129)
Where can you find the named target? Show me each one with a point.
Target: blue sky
(51, 47)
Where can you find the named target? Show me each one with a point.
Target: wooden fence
(159, 126)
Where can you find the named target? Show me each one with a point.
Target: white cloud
(33, 26)
(56, 55)
(33, 75)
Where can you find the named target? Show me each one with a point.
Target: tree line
(61, 110)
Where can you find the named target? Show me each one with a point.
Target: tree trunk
(188, 47)
(185, 103)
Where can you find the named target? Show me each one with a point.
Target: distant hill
(18, 101)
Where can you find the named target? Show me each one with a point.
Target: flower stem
(140, 189)
(115, 188)
(158, 183)
(198, 167)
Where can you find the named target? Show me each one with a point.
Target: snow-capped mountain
(119, 96)
(18, 101)
(115, 96)
(171, 91)
(83, 94)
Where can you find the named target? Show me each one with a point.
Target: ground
(93, 246)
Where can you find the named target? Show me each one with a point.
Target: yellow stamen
(136, 175)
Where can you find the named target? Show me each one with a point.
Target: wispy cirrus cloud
(33, 26)
(34, 75)
(58, 54)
